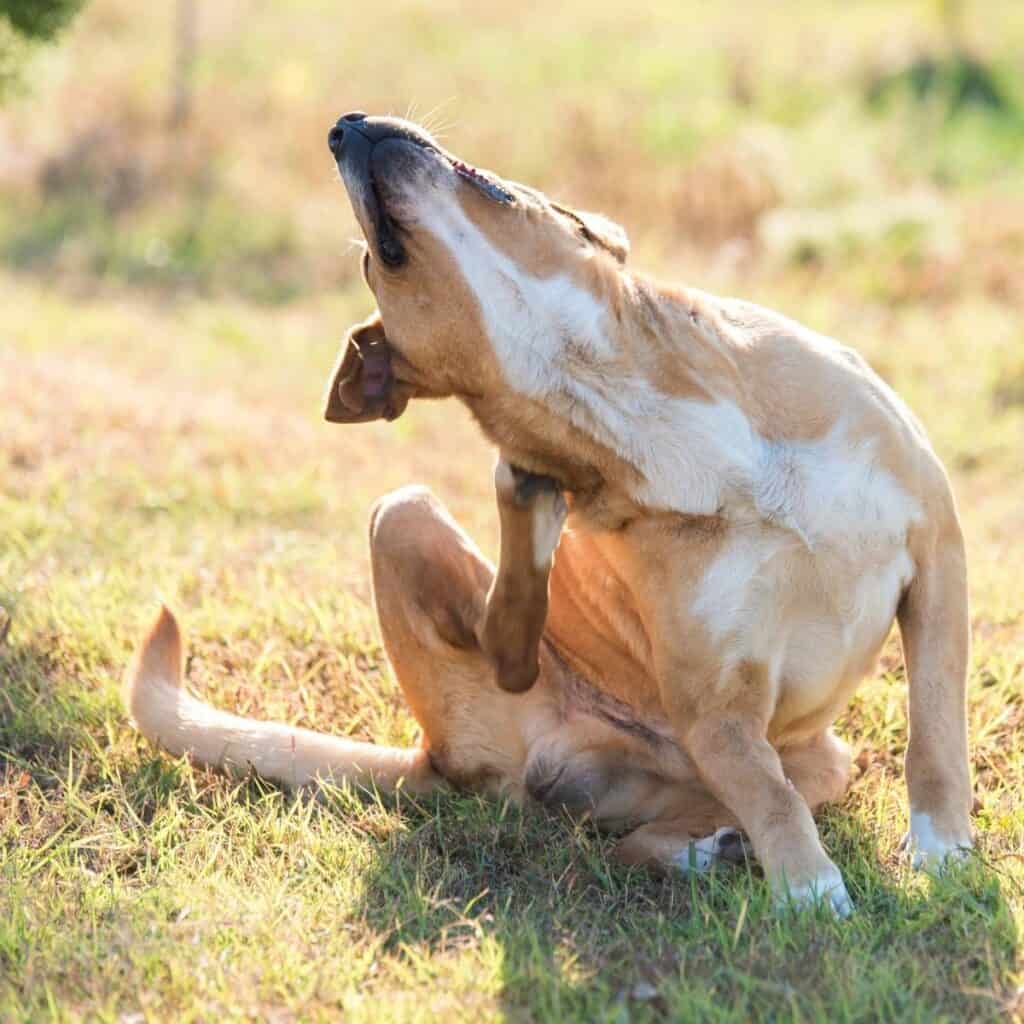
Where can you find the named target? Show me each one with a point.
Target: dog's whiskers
(433, 122)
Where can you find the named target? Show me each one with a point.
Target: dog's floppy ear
(600, 230)
(362, 385)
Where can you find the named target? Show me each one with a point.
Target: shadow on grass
(569, 935)
(579, 938)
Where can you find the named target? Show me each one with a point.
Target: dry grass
(171, 304)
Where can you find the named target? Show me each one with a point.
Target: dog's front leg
(532, 511)
(935, 629)
(729, 746)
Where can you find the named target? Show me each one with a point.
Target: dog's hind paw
(549, 514)
(727, 844)
(548, 509)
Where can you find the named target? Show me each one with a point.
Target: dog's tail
(179, 723)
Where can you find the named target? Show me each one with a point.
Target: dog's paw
(827, 889)
(543, 498)
(518, 486)
(930, 851)
(699, 855)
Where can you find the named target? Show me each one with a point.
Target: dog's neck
(621, 390)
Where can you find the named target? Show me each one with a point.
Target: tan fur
(641, 713)
(180, 724)
(512, 625)
(430, 587)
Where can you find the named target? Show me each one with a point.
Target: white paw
(700, 854)
(930, 851)
(827, 889)
(504, 480)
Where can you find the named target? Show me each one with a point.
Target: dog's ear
(362, 385)
(605, 233)
(600, 230)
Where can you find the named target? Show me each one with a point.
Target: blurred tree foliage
(954, 79)
(39, 19)
(24, 23)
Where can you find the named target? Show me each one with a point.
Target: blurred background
(177, 264)
(176, 273)
(858, 164)
(179, 149)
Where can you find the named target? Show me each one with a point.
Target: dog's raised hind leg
(532, 512)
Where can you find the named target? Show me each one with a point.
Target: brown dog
(749, 509)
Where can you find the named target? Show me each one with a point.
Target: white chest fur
(810, 585)
(816, 557)
(694, 457)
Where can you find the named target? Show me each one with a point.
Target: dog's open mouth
(386, 237)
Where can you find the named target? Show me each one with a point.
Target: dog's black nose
(337, 134)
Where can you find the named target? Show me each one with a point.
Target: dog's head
(450, 251)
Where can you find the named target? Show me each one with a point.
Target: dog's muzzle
(352, 141)
(356, 140)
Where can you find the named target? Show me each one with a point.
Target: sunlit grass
(161, 369)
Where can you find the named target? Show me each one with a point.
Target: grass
(171, 304)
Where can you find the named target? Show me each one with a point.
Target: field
(172, 295)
